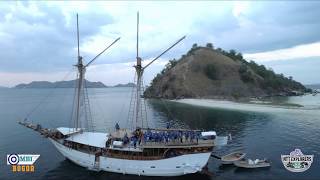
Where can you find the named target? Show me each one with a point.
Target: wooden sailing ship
(138, 150)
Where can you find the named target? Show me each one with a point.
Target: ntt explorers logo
(22, 162)
(297, 161)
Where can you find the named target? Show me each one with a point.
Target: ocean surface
(260, 131)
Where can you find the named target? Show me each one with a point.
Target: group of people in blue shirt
(163, 136)
(166, 136)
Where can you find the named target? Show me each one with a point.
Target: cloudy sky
(38, 39)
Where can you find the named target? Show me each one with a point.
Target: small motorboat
(232, 157)
(252, 164)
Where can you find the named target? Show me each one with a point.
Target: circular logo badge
(297, 161)
(13, 159)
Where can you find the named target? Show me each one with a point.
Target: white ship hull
(175, 166)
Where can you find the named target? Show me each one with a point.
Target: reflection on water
(181, 115)
(260, 134)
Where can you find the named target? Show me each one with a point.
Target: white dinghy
(252, 164)
(232, 157)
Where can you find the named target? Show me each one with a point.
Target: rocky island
(206, 72)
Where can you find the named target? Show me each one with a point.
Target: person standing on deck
(141, 137)
(117, 127)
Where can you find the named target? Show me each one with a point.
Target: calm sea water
(260, 134)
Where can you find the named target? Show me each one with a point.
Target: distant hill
(59, 84)
(205, 72)
(125, 85)
(313, 86)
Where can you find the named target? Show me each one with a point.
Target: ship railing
(178, 143)
(170, 143)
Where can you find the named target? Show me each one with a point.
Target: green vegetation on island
(206, 72)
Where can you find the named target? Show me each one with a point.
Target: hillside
(59, 84)
(125, 85)
(205, 72)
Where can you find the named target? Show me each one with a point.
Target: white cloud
(240, 25)
(115, 73)
(300, 51)
(161, 23)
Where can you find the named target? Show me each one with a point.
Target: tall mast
(139, 72)
(81, 77)
(137, 35)
(81, 70)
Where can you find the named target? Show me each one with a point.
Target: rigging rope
(88, 114)
(122, 108)
(45, 98)
(144, 103)
(71, 120)
(132, 105)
